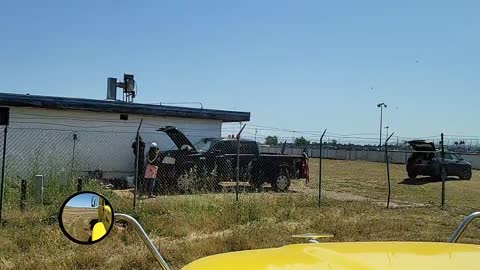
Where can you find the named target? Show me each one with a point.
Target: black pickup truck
(213, 160)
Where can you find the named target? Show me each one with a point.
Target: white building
(52, 134)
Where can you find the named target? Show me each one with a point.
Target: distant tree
(271, 140)
(334, 142)
(301, 141)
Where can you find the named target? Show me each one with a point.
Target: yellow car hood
(348, 256)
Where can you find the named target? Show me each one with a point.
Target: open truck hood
(421, 145)
(348, 256)
(178, 138)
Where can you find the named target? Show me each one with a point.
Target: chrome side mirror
(86, 217)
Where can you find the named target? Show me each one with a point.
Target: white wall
(399, 157)
(42, 137)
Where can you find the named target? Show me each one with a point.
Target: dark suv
(425, 160)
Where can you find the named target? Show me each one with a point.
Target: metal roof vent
(128, 85)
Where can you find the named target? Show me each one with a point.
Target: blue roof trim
(94, 105)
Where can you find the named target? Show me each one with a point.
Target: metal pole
(320, 169)
(79, 184)
(442, 175)
(38, 188)
(381, 106)
(145, 238)
(238, 163)
(381, 119)
(459, 231)
(73, 154)
(320, 172)
(2, 185)
(237, 176)
(137, 150)
(388, 171)
(23, 195)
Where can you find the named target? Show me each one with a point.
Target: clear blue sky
(83, 200)
(298, 65)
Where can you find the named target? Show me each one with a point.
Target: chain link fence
(173, 162)
(357, 173)
(50, 162)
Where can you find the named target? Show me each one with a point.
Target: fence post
(2, 184)
(75, 137)
(79, 184)
(443, 175)
(388, 170)
(38, 188)
(237, 178)
(320, 169)
(23, 195)
(137, 150)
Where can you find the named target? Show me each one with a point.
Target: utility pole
(381, 106)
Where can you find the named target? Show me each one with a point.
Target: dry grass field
(77, 221)
(368, 179)
(187, 227)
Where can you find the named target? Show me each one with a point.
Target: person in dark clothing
(141, 163)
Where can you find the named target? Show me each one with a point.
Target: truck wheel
(185, 183)
(467, 174)
(281, 183)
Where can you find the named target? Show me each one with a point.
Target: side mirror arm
(138, 228)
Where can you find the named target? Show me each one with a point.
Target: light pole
(387, 127)
(381, 106)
